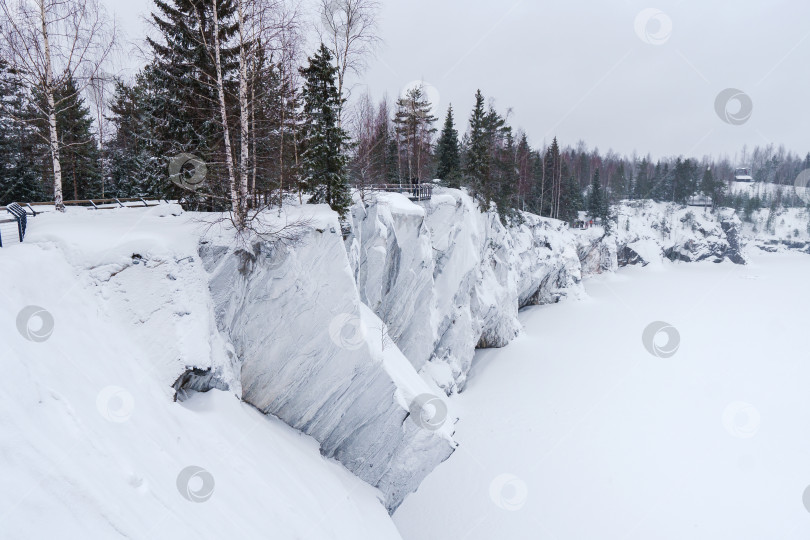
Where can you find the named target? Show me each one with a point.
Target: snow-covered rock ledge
(648, 232)
(312, 354)
(447, 278)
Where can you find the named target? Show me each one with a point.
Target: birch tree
(349, 29)
(49, 42)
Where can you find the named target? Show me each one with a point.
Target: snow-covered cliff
(311, 353)
(647, 232)
(447, 278)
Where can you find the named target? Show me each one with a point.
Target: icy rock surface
(647, 231)
(447, 278)
(781, 229)
(314, 356)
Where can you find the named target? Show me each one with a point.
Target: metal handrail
(418, 192)
(20, 218)
(94, 203)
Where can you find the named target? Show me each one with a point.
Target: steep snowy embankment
(92, 444)
(312, 354)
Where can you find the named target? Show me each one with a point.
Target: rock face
(447, 278)
(597, 251)
(310, 355)
(648, 231)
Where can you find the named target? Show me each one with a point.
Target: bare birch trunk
(244, 119)
(54, 136)
(235, 202)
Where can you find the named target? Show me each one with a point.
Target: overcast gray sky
(593, 70)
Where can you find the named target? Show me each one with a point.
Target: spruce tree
(324, 158)
(596, 197)
(476, 170)
(448, 153)
(414, 128)
(19, 144)
(137, 165)
(185, 100)
(78, 147)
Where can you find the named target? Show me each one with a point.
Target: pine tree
(137, 166)
(571, 201)
(185, 101)
(414, 129)
(449, 153)
(476, 170)
(19, 144)
(324, 159)
(598, 203)
(78, 147)
(596, 197)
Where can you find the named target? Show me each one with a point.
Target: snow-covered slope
(92, 444)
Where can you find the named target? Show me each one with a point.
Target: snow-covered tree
(324, 159)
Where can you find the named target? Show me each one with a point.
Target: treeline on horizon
(272, 120)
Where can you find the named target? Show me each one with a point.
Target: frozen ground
(576, 431)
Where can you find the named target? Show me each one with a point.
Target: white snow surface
(337, 337)
(91, 442)
(576, 431)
